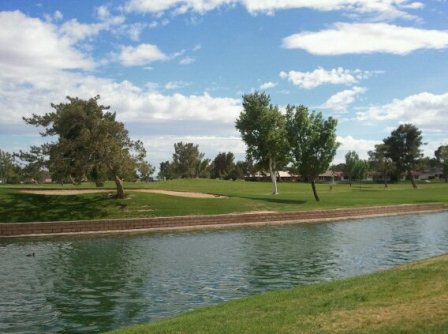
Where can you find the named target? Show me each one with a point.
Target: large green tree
(165, 171)
(263, 129)
(403, 147)
(442, 157)
(186, 160)
(222, 165)
(89, 142)
(312, 140)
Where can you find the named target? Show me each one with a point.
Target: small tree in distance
(186, 160)
(403, 148)
(379, 162)
(442, 157)
(222, 165)
(351, 163)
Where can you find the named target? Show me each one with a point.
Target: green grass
(409, 299)
(16, 206)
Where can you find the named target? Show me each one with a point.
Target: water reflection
(92, 284)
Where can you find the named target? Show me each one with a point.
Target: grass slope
(241, 197)
(408, 299)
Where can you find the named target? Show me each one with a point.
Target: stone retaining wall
(160, 223)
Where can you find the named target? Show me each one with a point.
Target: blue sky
(175, 70)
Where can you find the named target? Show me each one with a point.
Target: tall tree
(165, 171)
(351, 161)
(263, 129)
(312, 140)
(89, 138)
(361, 170)
(203, 168)
(403, 147)
(442, 156)
(380, 163)
(186, 160)
(222, 165)
(9, 170)
(144, 171)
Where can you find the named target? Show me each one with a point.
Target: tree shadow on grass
(276, 200)
(16, 207)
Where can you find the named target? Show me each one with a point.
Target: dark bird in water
(31, 254)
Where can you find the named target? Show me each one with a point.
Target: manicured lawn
(16, 206)
(409, 299)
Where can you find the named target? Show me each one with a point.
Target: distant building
(330, 176)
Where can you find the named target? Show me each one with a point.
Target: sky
(175, 70)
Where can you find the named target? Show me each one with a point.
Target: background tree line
(89, 144)
(188, 162)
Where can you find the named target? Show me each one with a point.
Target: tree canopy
(379, 161)
(442, 157)
(9, 170)
(187, 160)
(90, 142)
(312, 142)
(403, 148)
(351, 162)
(222, 165)
(263, 129)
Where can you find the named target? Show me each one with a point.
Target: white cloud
(145, 107)
(187, 61)
(33, 94)
(348, 143)
(176, 85)
(29, 44)
(385, 9)
(103, 12)
(77, 31)
(141, 55)
(360, 38)
(56, 16)
(268, 85)
(320, 76)
(340, 101)
(425, 110)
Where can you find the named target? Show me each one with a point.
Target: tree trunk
(119, 184)
(313, 186)
(273, 177)
(385, 180)
(411, 176)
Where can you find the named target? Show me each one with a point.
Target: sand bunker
(178, 193)
(63, 192)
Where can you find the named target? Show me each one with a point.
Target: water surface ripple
(92, 284)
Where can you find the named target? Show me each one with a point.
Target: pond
(96, 283)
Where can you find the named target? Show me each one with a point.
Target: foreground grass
(409, 299)
(16, 206)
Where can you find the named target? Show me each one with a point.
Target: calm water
(92, 284)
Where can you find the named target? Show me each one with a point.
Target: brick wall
(103, 226)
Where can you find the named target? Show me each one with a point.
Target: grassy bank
(409, 299)
(16, 206)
